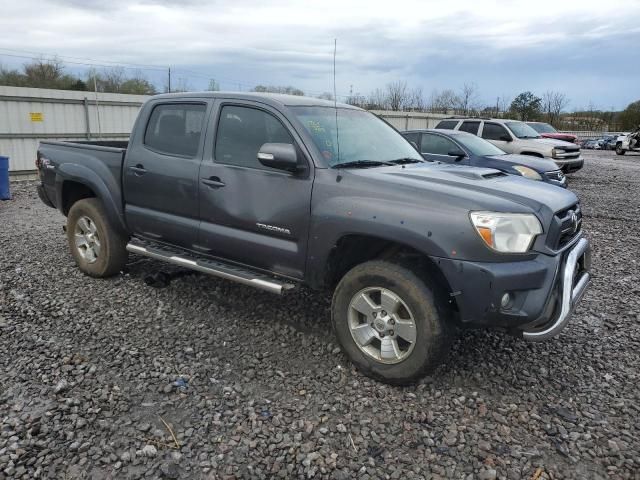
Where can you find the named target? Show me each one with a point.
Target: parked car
(608, 142)
(462, 148)
(628, 142)
(548, 131)
(591, 144)
(514, 136)
(263, 190)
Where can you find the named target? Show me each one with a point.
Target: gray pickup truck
(276, 191)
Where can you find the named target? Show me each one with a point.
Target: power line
(93, 61)
(88, 62)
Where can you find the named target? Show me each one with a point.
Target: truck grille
(569, 222)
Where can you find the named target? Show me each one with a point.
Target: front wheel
(389, 323)
(99, 251)
(619, 149)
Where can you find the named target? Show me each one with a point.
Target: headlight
(506, 232)
(556, 152)
(528, 172)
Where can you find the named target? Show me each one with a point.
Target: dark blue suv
(462, 148)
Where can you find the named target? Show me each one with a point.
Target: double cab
(278, 191)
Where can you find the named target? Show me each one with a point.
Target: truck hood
(475, 186)
(547, 142)
(538, 164)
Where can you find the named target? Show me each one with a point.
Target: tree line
(550, 106)
(51, 74)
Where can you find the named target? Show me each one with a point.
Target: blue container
(4, 179)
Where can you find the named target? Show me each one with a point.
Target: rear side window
(447, 124)
(436, 144)
(241, 133)
(470, 127)
(176, 128)
(411, 137)
(493, 131)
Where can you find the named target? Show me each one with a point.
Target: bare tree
(468, 98)
(503, 103)
(443, 101)
(397, 94)
(552, 105)
(43, 73)
(377, 100)
(416, 100)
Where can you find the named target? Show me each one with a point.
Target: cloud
(502, 46)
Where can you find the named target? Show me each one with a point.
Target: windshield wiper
(405, 160)
(362, 164)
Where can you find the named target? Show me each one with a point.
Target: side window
(175, 128)
(493, 131)
(411, 137)
(447, 124)
(470, 127)
(241, 133)
(436, 144)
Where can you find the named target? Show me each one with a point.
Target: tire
(619, 150)
(432, 328)
(97, 248)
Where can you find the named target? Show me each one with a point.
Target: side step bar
(211, 267)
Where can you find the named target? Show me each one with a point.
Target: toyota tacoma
(277, 191)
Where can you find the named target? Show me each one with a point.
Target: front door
(436, 147)
(160, 179)
(498, 135)
(249, 213)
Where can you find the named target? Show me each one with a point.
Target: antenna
(335, 97)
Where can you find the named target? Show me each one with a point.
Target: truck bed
(98, 162)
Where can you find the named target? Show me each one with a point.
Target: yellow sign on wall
(36, 117)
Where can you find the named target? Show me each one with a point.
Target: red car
(547, 131)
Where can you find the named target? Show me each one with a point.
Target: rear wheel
(96, 247)
(619, 149)
(389, 323)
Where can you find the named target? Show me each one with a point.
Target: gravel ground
(253, 386)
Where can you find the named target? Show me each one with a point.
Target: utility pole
(169, 80)
(497, 106)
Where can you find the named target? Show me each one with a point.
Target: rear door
(470, 126)
(437, 148)
(250, 213)
(160, 178)
(496, 133)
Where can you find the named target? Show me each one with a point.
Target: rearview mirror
(458, 153)
(505, 138)
(282, 156)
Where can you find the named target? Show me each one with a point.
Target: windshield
(361, 136)
(478, 146)
(522, 130)
(542, 127)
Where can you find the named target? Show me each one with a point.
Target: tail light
(39, 161)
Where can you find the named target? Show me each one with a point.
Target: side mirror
(458, 153)
(282, 156)
(415, 145)
(505, 138)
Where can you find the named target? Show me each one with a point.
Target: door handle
(213, 182)
(138, 169)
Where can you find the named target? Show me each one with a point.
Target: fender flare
(74, 172)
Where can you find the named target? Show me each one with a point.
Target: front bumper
(543, 291)
(569, 165)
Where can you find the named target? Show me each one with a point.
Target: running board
(212, 267)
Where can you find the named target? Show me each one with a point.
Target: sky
(586, 49)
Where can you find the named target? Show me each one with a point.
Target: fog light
(506, 300)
